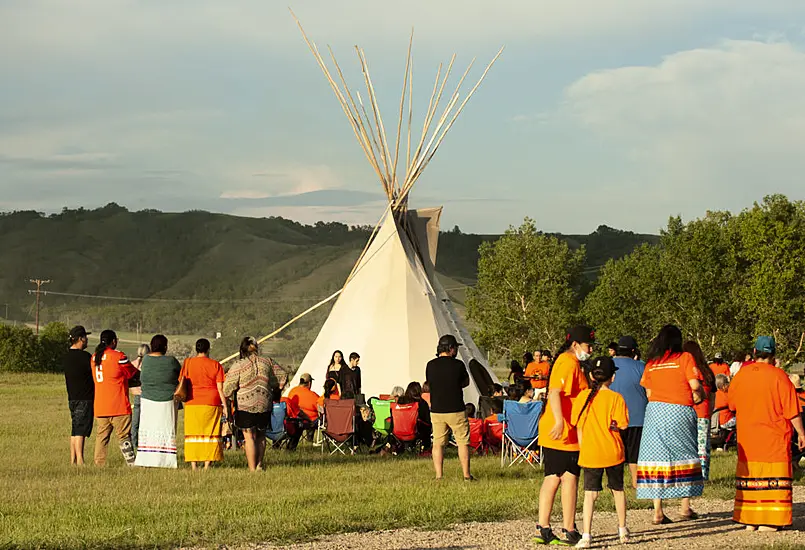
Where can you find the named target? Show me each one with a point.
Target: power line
(176, 300)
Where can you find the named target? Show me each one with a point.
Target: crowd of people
(599, 415)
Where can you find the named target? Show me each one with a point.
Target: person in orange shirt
(558, 439)
(704, 410)
(536, 372)
(766, 408)
(112, 370)
(718, 366)
(305, 400)
(668, 465)
(330, 392)
(725, 415)
(203, 410)
(599, 414)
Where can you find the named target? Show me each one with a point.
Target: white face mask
(583, 355)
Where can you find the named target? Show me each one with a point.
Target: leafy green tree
(53, 345)
(19, 349)
(527, 291)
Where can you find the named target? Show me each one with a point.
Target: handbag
(182, 390)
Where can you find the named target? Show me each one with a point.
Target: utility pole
(38, 291)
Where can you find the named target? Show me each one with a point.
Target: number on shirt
(98, 374)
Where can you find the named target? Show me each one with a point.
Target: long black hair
(667, 342)
(245, 346)
(597, 378)
(332, 359)
(108, 337)
(695, 350)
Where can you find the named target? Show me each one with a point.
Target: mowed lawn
(44, 502)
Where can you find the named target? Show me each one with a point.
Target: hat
(448, 341)
(796, 380)
(306, 378)
(718, 356)
(604, 364)
(581, 334)
(78, 332)
(765, 344)
(627, 343)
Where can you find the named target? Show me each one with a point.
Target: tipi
(392, 308)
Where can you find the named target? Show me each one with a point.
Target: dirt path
(714, 530)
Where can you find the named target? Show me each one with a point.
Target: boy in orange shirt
(599, 414)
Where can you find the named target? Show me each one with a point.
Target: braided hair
(107, 339)
(597, 378)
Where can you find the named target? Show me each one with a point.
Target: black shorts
(631, 442)
(82, 414)
(594, 478)
(557, 463)
(246, 420)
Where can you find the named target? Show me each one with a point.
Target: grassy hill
(229, 274)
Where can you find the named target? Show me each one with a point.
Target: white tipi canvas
(392, 313)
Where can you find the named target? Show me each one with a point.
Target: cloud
(324, 198)
(724, 123)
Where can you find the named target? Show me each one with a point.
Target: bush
(22, 351)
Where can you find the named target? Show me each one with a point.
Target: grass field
(47, 503)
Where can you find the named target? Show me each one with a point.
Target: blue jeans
(135, 421)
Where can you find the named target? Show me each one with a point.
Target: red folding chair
(477, 429)
(404, 423)
(339, 426)
(494, 436)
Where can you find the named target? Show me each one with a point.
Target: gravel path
(714, 529)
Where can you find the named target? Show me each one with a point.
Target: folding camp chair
(339, 426)
(493, 436)
(721, 438)
(477, 431)
(276, 431)
(404, 425)
(381, 409)
(520, 433)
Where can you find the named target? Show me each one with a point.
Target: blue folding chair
(276, 429)
(520, 433)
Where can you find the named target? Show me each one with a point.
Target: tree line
(723, 279)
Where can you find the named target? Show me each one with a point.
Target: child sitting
(599, 414)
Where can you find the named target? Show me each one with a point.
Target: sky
(616, 112)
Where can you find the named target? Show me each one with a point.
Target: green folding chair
(381, 409)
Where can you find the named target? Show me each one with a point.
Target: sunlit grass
(47, 503)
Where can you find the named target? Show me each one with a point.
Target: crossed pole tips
(367, 124)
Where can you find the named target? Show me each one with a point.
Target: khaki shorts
(457, 422)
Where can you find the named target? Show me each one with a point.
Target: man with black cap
(80, 392)
(627, 383)
(447, 377)
(558, 438)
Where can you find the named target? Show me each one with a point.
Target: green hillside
(200, 273)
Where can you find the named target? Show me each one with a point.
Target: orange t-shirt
(540, 369)
(668, 379)
(599, 428)
(321, 399)
(720, 368)
(764, 401)
(703, 408)
(722, 401)
(204, 375)
(306, 400)
(111, 384)
(568, 378)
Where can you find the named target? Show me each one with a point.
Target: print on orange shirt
(111, 384)
(538, 369)
(599, 428)
(568, 378)
(668, 379)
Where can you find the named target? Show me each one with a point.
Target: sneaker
(585, 543)
(545, 536)
(571, 537)
(623, 535)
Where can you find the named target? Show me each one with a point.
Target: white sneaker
(623, 535)
(585, 542)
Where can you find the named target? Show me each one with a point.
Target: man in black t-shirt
(447, 377)
(349, 377)
(80, 392)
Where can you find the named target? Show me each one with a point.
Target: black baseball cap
(627, 343)
(448, 341)
(78, 332)
(604, 364)
(581, 334)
